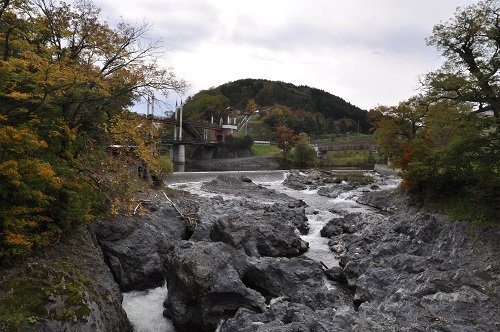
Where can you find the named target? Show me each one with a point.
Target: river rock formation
(415, 270)
(205, 281)
(135, 247)
(242, 268)
(262, 236)
(67, 287)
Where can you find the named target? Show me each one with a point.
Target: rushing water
(145, 309)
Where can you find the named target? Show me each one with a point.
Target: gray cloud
(367, 52)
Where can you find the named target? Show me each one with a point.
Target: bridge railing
(346, 146)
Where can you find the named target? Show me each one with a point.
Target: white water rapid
(145, 310)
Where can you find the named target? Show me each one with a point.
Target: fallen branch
(189, 219)
(140, 202)
(135, 210)
(324, 265)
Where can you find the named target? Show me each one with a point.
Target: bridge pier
(179, 156)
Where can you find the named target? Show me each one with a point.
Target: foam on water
(145, 310)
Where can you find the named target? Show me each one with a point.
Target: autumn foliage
(66, 80)
(447, 140)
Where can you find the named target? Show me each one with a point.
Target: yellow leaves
(16, 239)
(19, 141)
(19, 95)
(28, 188)
(139, 134)
(46, 172)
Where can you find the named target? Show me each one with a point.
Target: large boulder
(135, 248)
(210, 282)
(240, 187)
(298, 279)
(209, 210)
(284, 316)
(299, 298)
(349, 224)
(261, 236)
(67, 287)
(294, 213)
(333, 191)
(205, 286)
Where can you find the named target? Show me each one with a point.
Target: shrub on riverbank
(259, 150)
(350, 159)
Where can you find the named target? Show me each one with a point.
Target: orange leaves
(286, 139)
(16, 239)
(15, 142)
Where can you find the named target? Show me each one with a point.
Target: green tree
(203, 106)
(470, 43)
(397, 128)
(286, 139)
(303, 153)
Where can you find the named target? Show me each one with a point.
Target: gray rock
(135, 248)
(283, 316)
(336, 273)
(297, 279)
(334, 191)
(262, 236)
(333, 227)
(416, 271)
(208, 211)
(205, 286)
(66, 287)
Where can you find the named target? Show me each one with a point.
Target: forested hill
(298, 98)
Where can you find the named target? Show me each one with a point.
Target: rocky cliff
(67, 287)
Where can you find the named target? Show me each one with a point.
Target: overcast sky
(368, 52)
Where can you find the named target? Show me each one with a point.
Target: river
(145, 309)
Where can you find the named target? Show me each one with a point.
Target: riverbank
(398, 267)
(318, 251)
(66, 287)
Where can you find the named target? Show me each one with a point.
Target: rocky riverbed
(245, 267)
(256, 262)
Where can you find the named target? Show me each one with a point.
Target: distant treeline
(301, 103)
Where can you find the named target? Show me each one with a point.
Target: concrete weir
(256, 176)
